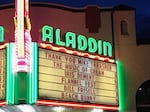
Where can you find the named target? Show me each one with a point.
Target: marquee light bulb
(26, 108)
(97, 110)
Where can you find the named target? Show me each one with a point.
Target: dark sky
(142, 6)
(142, 11)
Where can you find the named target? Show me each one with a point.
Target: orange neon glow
(75, 104)
(3, 46)
(3, 103)
(62, 49)
(26, 5)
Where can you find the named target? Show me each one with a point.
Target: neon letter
(99, 44)
(1, 34)
(47, 33)
(82, 42)
(57, 38)
(92, 45)
(107, 49)
(70, 39)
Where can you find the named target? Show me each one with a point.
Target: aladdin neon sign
(72, 40)
(79, 42)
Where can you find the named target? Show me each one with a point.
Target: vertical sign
(22, 36)
(22, 59)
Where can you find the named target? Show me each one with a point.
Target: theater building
(71, 59)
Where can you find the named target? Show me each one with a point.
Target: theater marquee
(60, 64)
(73, 78)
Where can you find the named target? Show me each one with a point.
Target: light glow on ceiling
(76, 105)
(26, 108)
(2, 110)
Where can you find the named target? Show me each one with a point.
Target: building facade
(82, 59)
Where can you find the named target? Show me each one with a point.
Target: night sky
(142, 11)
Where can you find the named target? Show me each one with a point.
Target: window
(124, 27)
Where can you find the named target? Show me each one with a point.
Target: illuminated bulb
(58, 109)
(26, 108)
(97, 110)
(140, 89)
